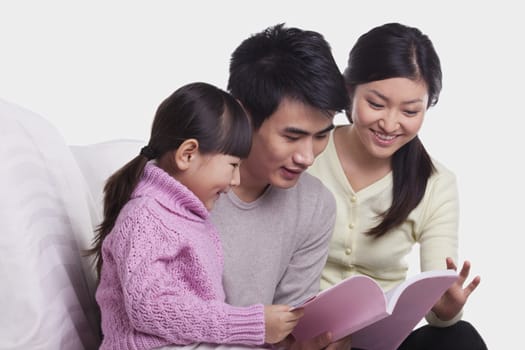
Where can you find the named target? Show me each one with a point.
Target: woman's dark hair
(394, 50)
(197, 110)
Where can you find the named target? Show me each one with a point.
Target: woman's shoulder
(442, 170)
(442, 181)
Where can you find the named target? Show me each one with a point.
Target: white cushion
(47, 287)
(98, 161)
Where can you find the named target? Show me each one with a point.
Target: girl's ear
(186, 153)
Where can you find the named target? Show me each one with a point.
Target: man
(277, 224)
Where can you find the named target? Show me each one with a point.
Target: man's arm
(301, 278)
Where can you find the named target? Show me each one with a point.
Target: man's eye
(291, 138)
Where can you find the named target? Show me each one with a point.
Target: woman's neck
(360, 167)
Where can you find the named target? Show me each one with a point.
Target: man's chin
(284, 183)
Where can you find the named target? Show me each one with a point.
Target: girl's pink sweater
(160, 282)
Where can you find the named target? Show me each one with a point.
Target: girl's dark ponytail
(117, 192)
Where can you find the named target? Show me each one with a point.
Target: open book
(376, 320)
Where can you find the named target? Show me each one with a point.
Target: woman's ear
(186, 153)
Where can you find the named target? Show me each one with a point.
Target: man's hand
(317, 343)
(342, 344)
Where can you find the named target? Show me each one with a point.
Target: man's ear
(186, 153)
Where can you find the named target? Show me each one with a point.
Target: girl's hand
(279, 322)
(451, 303)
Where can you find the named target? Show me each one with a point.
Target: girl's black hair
(197, 110)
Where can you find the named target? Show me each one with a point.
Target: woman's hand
(451, 303)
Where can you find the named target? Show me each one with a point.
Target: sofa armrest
(47, 288)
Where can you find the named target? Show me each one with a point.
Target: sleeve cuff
(433, 320)
(246, 324)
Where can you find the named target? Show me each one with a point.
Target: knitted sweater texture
(161, 280)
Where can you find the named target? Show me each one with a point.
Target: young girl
(159, 258)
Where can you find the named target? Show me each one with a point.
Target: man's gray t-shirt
(275, 247)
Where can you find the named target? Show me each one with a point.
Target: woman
(390, 193)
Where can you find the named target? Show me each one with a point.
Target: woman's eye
(375, 105)
(411, 113)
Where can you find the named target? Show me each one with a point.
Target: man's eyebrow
(294, 130)
(326, 130)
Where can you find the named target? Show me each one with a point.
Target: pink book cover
(377, 321)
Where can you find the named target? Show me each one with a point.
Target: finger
(320, 342)
(298, 313)
(292, 316)
(293, 320)
(288, 327)
(344, 343)
(450, 264)
(472, 286)
(465, 270)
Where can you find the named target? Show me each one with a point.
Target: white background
(98, 69)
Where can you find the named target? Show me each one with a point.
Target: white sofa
(52, 200)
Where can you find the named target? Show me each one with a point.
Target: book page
(342, 309)
(408, 304)
(395, 293)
